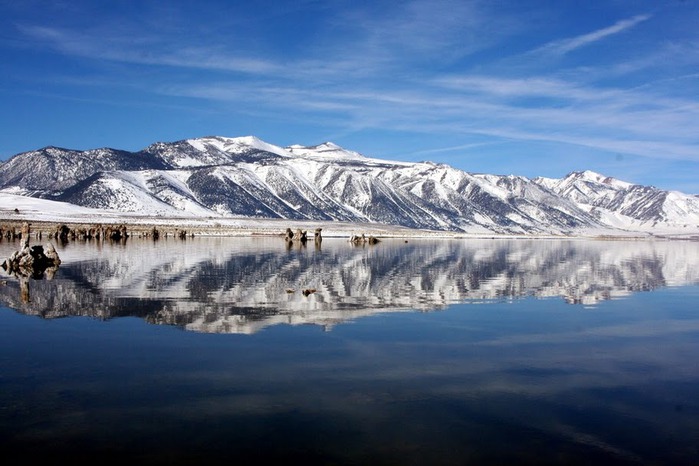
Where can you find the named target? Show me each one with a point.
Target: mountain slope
(51, 170)
(218, 176)
(643, 205)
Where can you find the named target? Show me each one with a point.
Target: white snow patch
(236, 145)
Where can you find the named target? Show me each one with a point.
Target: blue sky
(532, 88)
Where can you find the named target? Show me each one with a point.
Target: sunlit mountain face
(247, 177)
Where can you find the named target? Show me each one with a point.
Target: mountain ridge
(247, 177)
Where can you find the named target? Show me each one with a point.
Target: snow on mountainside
(642, 207)
(325, 151)
(52, 169)
(236, 145)
(160, 193)
(246, 177)
(213, 150)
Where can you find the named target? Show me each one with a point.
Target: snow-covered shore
(45, 215)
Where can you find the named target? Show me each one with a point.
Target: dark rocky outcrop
(113, 232)
(116, 233)
(32, 261)
(299, 236)
(363, 239)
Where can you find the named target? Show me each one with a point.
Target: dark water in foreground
(428, 352)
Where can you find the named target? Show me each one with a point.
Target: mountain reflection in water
(241, 285)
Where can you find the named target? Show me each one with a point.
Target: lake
(458, 351)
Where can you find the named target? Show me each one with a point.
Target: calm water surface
(427, 352)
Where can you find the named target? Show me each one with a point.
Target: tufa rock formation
(363, 239)
(32, 261)
(299, 236)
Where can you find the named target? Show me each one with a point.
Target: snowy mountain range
(247, 177)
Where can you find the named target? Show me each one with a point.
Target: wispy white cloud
(564, 46)
(413, 27)
(406, 35)
(533, 86)
(534, 108)
(459, 148)
(382, 69)
(359, 42)
(144, 50)
(605, 119)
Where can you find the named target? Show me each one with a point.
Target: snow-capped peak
(588, 175)
(235, 145)
(591, 176)
(326, 151)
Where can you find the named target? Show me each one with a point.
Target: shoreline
(47, 216)
(245, 227)
(231, 227)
